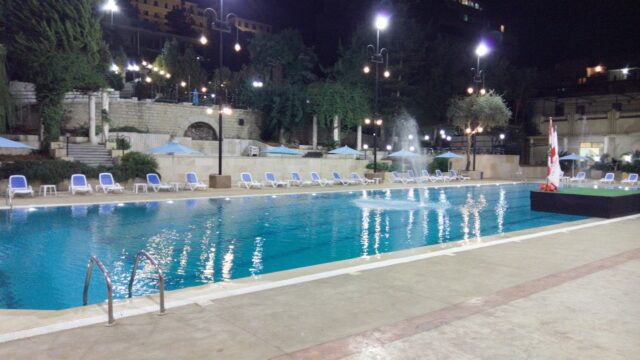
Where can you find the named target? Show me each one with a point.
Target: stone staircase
(92, 155)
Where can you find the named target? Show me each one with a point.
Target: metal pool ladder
(87, 280)
(153, 262)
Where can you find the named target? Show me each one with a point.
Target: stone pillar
(336, 129)
(315, 132)
(92, 118)
(531, 151)
(565, 144)
(605, 147)
(359, 136)
(105, 124)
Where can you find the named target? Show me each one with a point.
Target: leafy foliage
(6, 103)
(473, 112)
(58, 46)
(133, 165)
(285, 64)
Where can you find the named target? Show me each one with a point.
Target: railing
(153, 261)
(87, 280)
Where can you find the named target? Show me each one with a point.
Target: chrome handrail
(87, 280)
(160, 275)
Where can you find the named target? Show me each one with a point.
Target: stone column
(565, 144)
(105, 125)
(359, 136)
(315, 132)
(92, 118)
(336, 129)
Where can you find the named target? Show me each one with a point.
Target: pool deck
(562, 292)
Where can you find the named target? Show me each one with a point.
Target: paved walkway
(572, 295)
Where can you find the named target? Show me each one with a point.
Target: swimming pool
(44, 251)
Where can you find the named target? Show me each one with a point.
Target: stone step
(90, 154)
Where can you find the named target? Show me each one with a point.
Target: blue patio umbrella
(281, 150)
(403, 154)
(573, 158)
(345, 150)
(449, 155)
(10, 144)
(172, 147)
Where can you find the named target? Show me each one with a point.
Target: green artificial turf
(598, 192)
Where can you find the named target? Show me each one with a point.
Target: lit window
(501, 28)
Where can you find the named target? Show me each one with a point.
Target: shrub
(133, 165)
(122, 143)
(132, 129)
(439, 164)
(47, 171)
(382, 166)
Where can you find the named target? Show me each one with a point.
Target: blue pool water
(44, 251)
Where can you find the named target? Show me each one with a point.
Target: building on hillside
(157, 11)
(598, 115)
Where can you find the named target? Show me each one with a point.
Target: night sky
(547, 31)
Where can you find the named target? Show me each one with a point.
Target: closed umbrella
(345, 150)
(281, 150)
(449, 155)
(573, 158)
(172, 148)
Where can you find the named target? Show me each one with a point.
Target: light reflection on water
(203, 241)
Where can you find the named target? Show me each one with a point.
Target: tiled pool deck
(569, 293)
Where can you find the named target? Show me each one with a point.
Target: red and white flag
(553, 170)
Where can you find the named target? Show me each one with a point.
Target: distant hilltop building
(597, 114)
(157, 11)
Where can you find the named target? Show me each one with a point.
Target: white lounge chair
(79, 184)
(296, 180)
(338, 179)
(396, 178)
(317, 180)
(359, 180)
(270, 179)
(426, 177)
(247, 181)
(609, 178)
(564, 178)
(411, 177)
(192, 182)
(441, 177)
(18, 186)
(153, 180)
(632, 179)
(108, 184)
(455, 176)
(580, 177)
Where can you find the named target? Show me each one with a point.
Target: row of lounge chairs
(18, 184)
(609, 178)
(426, 177)
(246, 180)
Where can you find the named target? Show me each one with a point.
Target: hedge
(133, 165)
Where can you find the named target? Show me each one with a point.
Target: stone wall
(160, 118)
(174, 168)
(493, 166)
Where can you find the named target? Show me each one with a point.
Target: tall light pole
(221, 24)
(111, 6)
(478, 90)
(378, 56)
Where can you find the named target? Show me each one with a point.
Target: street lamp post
(111, 6)
(378, 56)
(221, 24)
(377, 124)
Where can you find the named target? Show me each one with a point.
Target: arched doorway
(201, 131)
